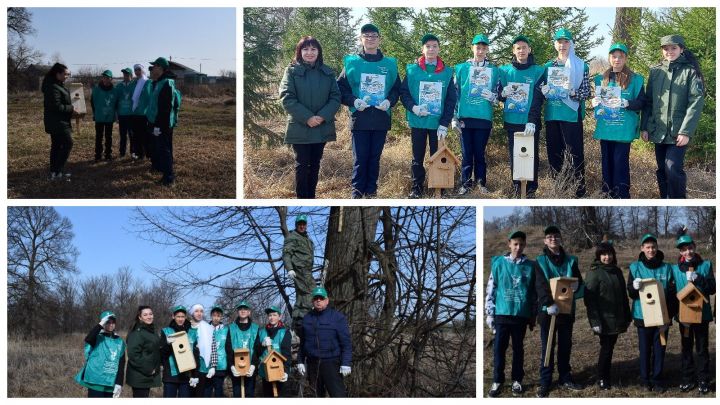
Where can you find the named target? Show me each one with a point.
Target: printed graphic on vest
(480, 78)
(513, 291)
(372, 88)
(609, 108)
(431, 96)
(559, 82)
(517, 100)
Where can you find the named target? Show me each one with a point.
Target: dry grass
(585, 344)
(203, 145)
(269, 172)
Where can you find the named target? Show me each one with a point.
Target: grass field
(625, 370)
(204, 146)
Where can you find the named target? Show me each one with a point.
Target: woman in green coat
(675, 99)
(143, 344)
(311, 97)
(607, 306)
(58, 111)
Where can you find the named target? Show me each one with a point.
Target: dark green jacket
(306, 92)
(143, 355)
(298, 252)
(57, 106)
(674, 101)
(606, 299)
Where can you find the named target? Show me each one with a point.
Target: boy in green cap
(176, 384)
(104, 100)
(428, 94)
(124, 91)
(104, 370)
(218, 356)
(242, 334)
(162, 118)
(274, 336)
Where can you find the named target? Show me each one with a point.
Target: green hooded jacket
(606, 299)
(143, 355)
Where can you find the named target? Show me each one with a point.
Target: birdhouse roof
(689, 288)
(443, 150)
(274, 353)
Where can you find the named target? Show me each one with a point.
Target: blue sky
(114, 38)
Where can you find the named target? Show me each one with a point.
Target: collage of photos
(505, 237)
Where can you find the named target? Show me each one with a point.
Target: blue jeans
(563, 341)
(249, 386)
(503, 334)
(215, 385)
(671, 177)
(367, 146)
(421, 138)
(531, 185)
(176, 390)
(615, 168)
(473, 143)
(651, 349)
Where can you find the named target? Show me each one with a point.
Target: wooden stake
(275, 393)
(340, 224)
(523, 189)
(548, 347)
(663, 342)
(685, 330)
(242, 387)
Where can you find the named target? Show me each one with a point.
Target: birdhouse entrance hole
(692, 297)
(181, 346)
(444, 160)
(564, 290)
(649, 295)
(523, 149)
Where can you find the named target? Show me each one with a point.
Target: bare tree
(96, 296)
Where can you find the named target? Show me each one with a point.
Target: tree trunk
(626, 19)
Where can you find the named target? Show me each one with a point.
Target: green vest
(104, 103)
(517, 105)
(241, 339)
(661, 274)
(550, 270)
(144, 99)
(370, 81)
(704, 270)
(471, 83)
(436, 102)
(171, 360)
(557, 110)
(124, 95)
(618, 124)
(514, 281)
(220, 338)
(152, 109)
(101, 363)
(276, 342)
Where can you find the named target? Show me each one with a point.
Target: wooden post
(663, 342)
(548, 347)
(523, 189)
(340, 223)
(242, 386)
(686, 330)
(275, 393)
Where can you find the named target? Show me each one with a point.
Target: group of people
(437, 96)
(146, 110)
(518, 295)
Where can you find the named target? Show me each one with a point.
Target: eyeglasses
(552, 237)
(370, 36)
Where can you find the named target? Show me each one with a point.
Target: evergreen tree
(540, 24)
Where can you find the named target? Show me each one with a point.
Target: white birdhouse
(523, 156)
(77, 97)
(652, 303)
(183, 351)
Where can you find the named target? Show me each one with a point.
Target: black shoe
(415, 194)
(685, 387)
(495, 389)
(703, 387)
(97, 159)
(542, 391)
(571, 386)
(604, 385)
(659, 388)
(648, 387)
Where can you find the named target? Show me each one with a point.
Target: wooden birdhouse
(652, 303)
(562, 293)
(442, 166)
(183, 351)
(274, 365)
(691, 304)
(242, 360)
(77, 97)
(523, 157)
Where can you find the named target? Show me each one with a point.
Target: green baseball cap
(522, 38)
(646, 237)
(684, 240)
(272, 309)
(517, 234)
(319, 292)
(618, 46)
(369, 28)
(179, 308)
(301, 218)
(672, 40)
(217, 308)
(243, 304)
(562, 33)
(127, 70)
(111, 314)
(429, 37)
(107, 73)
(480, 39)
(552, 229)
(162, 62)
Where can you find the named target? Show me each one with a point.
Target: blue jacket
(326, 336)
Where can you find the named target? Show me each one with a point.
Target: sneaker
(415, 194)
(53, 176)
(517, 388)
(64, 176)
(356, 196)
(483, 189)
(495, 389)
(571, 386)
(604, 385)
(703, 387)
(463, 190)
(685, 387)
(543, 391)
(133, 156)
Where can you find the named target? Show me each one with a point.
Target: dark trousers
(367, 147)
(565, 136)
(615, 168)
(698, 334)
(503, 334)
(268, 389)
(199, 390)
(163, 155)
(141, 392)
(324, 376)
(139, 137)
(99, 394)
(563, 342)
(531, 185)
(61, 144)
(249, 386)
(176, 390)
(651, 352)
(473, 143)
(214, 387)
(307, 168)
(604, 365)
(125, 128)
(103, 130)
(671, 177)
(420, 138)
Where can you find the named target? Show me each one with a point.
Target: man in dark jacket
(162, 117)
(298, 255)
(326, 349)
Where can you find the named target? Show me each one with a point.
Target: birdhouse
(274, 365)
(691, 304)
(442, 166)
(182, 349)
(562, 293)
(652, 303)
(523, 156)
(242, 361)
(77, 97)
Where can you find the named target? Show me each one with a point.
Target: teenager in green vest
(675, 100)
(162, 117)
(274, 335)
(692, 268)
(370, 86)
(650, 264)
(104, 369)
(429, 95)
(555, 262)
(242, 334)
(607, 307)
(204, 333)
(124, 91)
(176, 384)
(519, 79)
(104, 105)
(510, 307)
(477, 80)
(143, 354)
(139, 135)
(617, 119)
(218, 356)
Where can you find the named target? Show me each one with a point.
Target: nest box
(652, 303)
(182, 349)
(274, 365)
(242, 361)
(77, 97)
(523, 156)
(562, 293)
(442, 166)
(691, 304)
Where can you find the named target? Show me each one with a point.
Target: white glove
(490, 322)
(636, 283)
(420, 110)
(267, 342)
(384, 105)
(624, 103)
(105, 319)
(211, 372)
(251, 371)
(596, 329)
(553, 310)
(360, 104)
(234, 371)
(691, 276)
(441, 132)
(194, 382)
(545, 89)
(455, 124)
(595, 101)
(301, 369)
(574, 286)
(291, 274)
(156, 131)
(117, 391)
(506, 91)
(345, 371)
(284, 377)
(529, 129)
(170, 339)
(488, 95)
